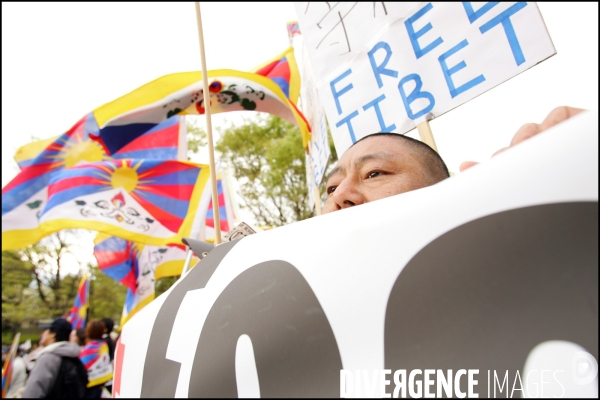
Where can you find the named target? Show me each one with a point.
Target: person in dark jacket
(56, 344)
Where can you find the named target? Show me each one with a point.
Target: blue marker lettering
(414, 36)
(504, 19)
(336, 94)
(414, 95)
(348, 121)
(379, 70)
(474, 15)
(455, 91)
(375, 105)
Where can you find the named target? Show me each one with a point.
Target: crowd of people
(67, 362)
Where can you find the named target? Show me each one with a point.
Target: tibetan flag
(227, 216)
(145, 201)
(116, 258)
(78, 313)
(25, 196)
(165, 141)
(8, 365)
(26, 154)
(96, 360)
(293, 29)
(121, 259)
(274, 88)
(283, 70)
(137, 266)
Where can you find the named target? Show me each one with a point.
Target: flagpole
(211, 150)
(188, 260)
(426, 135)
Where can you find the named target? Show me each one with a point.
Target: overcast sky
(62, 60)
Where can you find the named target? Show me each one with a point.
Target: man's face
(48, 337)
(373, 169)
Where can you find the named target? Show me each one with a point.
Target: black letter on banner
(160, 374)
(295, 350)
(483, 295)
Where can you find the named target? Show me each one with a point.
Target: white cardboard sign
(315, 115)
(484, 271)
(385, 67)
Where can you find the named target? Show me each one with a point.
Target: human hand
(558, 115)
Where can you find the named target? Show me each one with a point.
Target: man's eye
(331, 189)
(373, 174)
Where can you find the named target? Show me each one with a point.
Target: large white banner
(492, 274)
(385, 67)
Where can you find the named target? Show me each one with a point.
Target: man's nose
(347, 194)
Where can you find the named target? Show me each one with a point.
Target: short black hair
(430, 159)
(109, 323)
(62, 328)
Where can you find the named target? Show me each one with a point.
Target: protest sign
(481, 274)
(387, 67)
(315, 115)
(318, 146)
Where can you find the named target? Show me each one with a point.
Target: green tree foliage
(196, 138)
(163, 284)
(33, 287)
(17, 276)
(268, 160)
(107, 297)
(56, 291)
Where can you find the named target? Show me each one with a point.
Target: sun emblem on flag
(76, 150)
(125, 177)
(131, 191)
(82, 312)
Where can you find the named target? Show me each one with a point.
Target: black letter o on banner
(484, 294)
(161, 374)
(295, 350)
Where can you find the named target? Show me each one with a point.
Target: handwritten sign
(385, 67)
(450, 277)
(319, 152)
(315, 114)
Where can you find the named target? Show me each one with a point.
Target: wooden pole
(211, 149)
(426, 135)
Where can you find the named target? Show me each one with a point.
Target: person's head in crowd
(109, 323)
(94, 330)
(58, 331)
(382, 165)
(78, 336)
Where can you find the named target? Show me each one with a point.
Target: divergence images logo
(585, 368)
